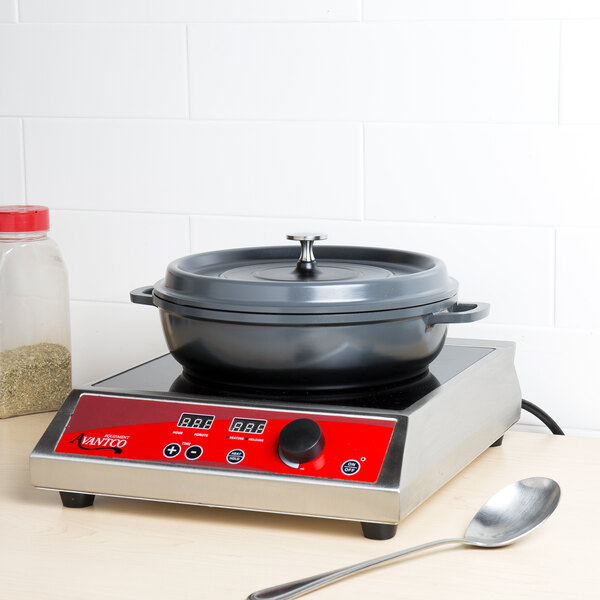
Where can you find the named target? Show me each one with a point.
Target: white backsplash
(463, 129)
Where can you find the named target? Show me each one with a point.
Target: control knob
(300, 441)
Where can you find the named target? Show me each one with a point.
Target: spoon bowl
(508, 515)
(513, 512)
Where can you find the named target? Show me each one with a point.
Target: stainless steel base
(433, 440)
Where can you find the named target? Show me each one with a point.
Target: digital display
(256, 426)
(196, 421)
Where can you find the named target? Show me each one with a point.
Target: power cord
(544, 417)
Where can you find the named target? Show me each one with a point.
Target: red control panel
(196, 434)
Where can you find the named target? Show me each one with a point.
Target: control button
(350, 467)
(193, 452)
(300, 441)
(235, 457)
(172, 450)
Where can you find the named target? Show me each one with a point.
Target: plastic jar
(35, 336)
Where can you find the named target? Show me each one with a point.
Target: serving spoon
(510, 514)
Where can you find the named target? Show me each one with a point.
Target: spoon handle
(293, 589)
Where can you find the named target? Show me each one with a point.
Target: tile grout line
(554, 282)
(188, 94)
(25, 192)
(311, 21)
(292, 120)
(560, 32)
(363, 182)
(262, 217)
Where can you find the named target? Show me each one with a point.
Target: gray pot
(261, 317)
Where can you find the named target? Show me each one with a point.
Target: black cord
(544, 417)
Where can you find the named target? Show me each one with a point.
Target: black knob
(301, 441)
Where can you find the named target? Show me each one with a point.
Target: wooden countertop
(121, 548)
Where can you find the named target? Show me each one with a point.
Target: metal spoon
(510, 514)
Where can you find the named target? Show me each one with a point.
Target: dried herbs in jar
(34, 378)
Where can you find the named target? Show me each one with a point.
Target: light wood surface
(122, 548)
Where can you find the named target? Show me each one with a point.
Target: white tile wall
(8, 11)
(557, 370)
(413, 71)
(287, 169)
(170, 11)
(511, 174)
(394, 10)
(578, 278)
(579, 9)
(12, 189)
(137, 248)
(165, 11)
(93, 70)
(580, 72)
(468, 130)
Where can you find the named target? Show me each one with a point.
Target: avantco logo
(107, 442)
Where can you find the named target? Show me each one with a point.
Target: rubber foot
(76, 500)
(379, 531)
(498, 442)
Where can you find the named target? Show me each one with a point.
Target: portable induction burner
(369, 455)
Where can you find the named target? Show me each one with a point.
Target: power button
(350, 467)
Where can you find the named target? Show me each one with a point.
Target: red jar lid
(19, 218)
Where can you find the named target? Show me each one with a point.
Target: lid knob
(306, 263)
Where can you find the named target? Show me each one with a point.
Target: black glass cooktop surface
(164, 374)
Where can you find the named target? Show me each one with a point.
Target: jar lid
(342, 279)
(20, 218)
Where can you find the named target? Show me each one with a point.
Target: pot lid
(288, 279)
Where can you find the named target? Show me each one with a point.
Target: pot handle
(142, 295)
(465, 312)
